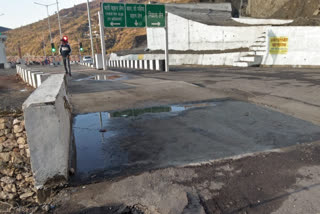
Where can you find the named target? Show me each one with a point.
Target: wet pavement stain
(137, 140)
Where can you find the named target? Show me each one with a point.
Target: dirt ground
(275, 182)
(13, 91)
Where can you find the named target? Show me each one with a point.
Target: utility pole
(44, 46)
(59, 19)
(103, 44)
(47, 6)
(19, 50)
(91, 39)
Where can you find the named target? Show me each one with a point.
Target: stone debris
(16, 180)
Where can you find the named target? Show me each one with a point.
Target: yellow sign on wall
(278, 45)
(140, 56)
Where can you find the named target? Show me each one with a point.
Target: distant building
(3, 57)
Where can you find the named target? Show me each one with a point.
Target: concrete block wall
(47, 115)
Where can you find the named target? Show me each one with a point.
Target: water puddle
(159, 109)
(115, 143)
(104, 77)
(101, 137)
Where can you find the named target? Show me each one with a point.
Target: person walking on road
(65, 51)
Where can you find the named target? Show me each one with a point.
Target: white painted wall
(304, 42)
(189, 35)
(303, 50)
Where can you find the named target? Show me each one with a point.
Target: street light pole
(59, 19)
(49, 24)
(91, 39)
(47, 6)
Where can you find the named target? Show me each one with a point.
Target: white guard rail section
(31, 77)
(152, 64)
(90, 65)
(47, 115)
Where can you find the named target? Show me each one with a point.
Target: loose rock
(17, 129)
(16, 121)
(26, 195)
(2, 139)
(2, 126)
(7, 180)
(21, 140)
(16, 180)
(5, 156)
(3, 120)
(19, 177)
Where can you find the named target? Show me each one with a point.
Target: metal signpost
(120, 15)
(103, 44)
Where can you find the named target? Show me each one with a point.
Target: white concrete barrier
(152, 64)
(158, 64)
(99, 61)
(31, 77)
(141, 63)
(146, 64)
(47, 116)
(136, 65)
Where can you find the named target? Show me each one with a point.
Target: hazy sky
(22, 12)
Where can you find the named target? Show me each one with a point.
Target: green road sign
(114, 14)
(136, 15)
(156, 16)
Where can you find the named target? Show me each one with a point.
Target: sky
(18, 13)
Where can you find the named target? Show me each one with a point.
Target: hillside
(302, 11)
(75, 26)
(3, 29)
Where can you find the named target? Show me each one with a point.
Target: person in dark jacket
(65, 51)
